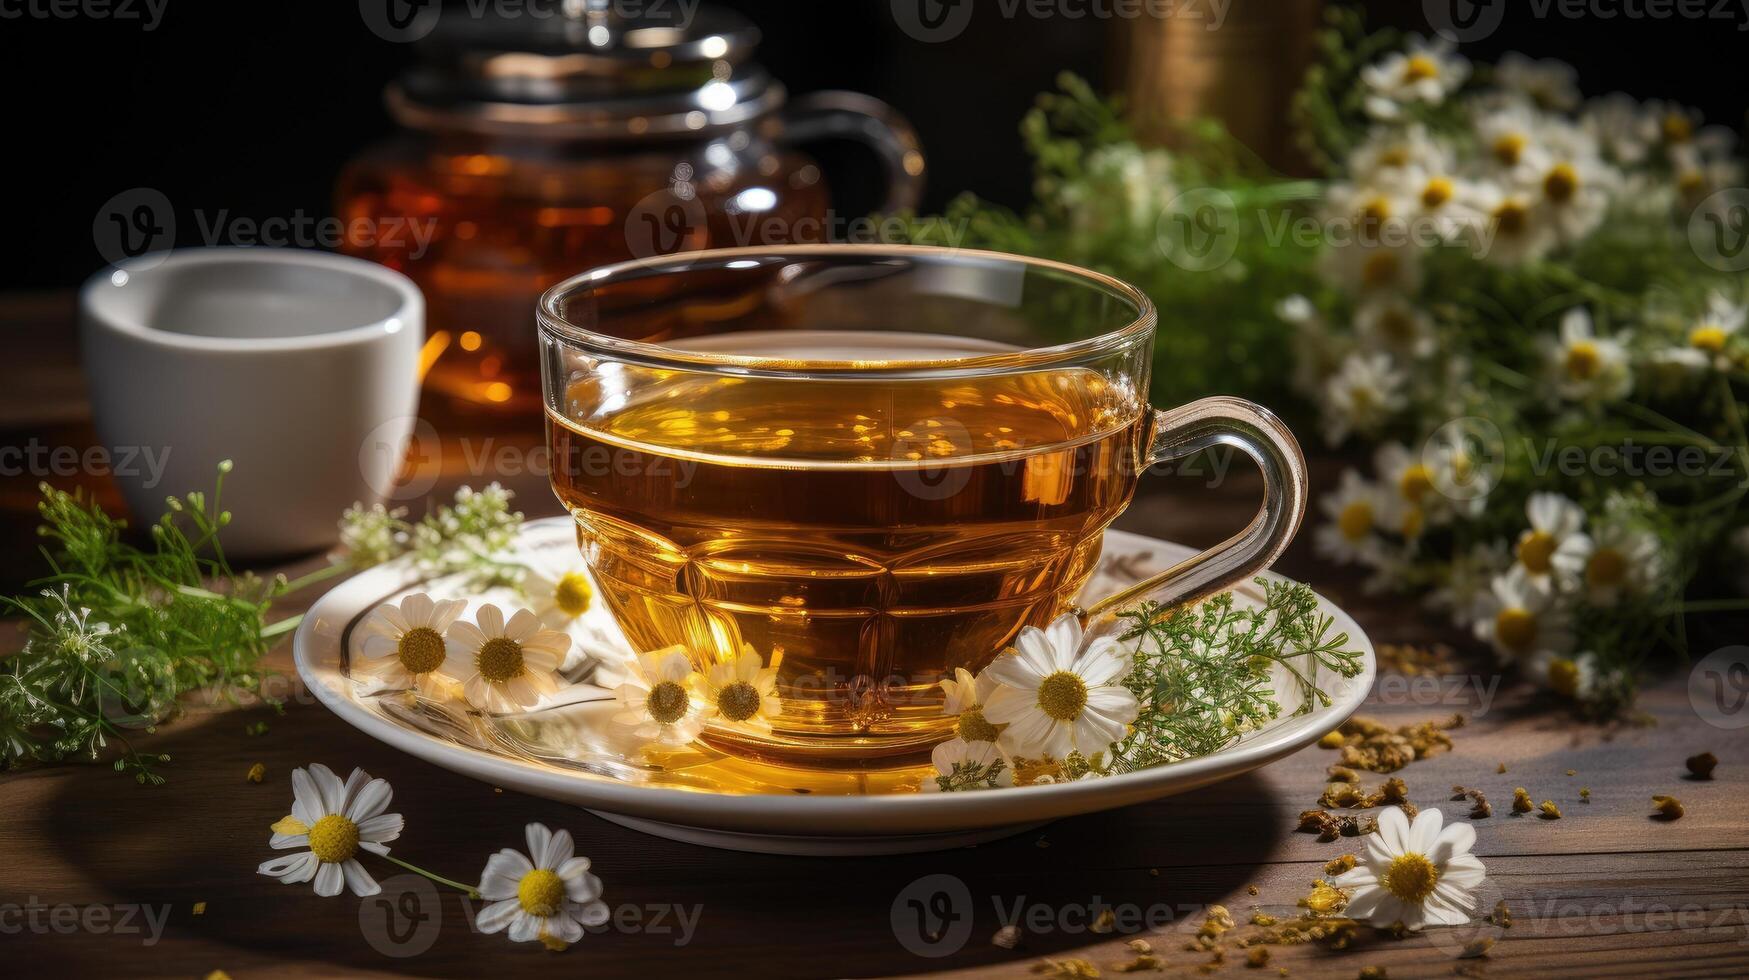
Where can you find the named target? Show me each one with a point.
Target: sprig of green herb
(118, 633)
(1203, 674)
(469, 537)
(971, 775)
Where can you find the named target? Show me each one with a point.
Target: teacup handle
(1257, 432)
(864, 119)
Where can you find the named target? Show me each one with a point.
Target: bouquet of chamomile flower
(1530, 313)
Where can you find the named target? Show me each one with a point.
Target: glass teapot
(536, 147)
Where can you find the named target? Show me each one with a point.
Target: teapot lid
(585, 69)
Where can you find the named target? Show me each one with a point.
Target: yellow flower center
(1438, 191)
(1607, 568)
(1380, 269)
(1691, 183)
(1374, 214)
(1062, 695)
(1583, 360)
(1508, 147)
(1511, 218)
(1396, 156)
(1677, 128)
(1411, 878)
(572, 594)
(1515, 629)
(738, 701)
(1564, 677)
(668, 702)
(541, 893)
(499, 659)
(420, 650)
(1537, 551)
(1420, 68)
(1397, 326)
(334, 839)
(1561, 183)
(1355, 521)
(974, 728)
(1415, 483)
(1707, 337)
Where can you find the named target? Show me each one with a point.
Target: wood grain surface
(99, 876)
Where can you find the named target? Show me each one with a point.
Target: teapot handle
(867, 120)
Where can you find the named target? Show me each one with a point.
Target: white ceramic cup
(301, 367)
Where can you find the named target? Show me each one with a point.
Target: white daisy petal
(359, 880)
(539, 837)
(498, 915)
(330, 880)
(1393, 832)
(370, 800)
(525, 928)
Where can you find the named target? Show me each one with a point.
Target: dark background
(253, 107)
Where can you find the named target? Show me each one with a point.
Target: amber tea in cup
(849, 459)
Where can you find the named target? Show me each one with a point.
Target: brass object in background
(1241, 69)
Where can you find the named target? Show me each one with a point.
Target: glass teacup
(850, 461)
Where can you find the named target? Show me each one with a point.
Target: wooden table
(99, 876)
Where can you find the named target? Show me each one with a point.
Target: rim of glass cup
(1139, 328)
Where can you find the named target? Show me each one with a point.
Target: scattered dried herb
(1702, 765)
(1370, 745)
(1521, 801)
(1549, 810)
(1667, 807)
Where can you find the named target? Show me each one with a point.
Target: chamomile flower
(1056, 697)
(1351, 535)
(965, 699)
(1413, 480)
(1706, 166)
(1709, 338)
(404, 642)
(558, 591)
(1585, 367)
(1388, 153)
(1437, 204)
(1574, 677)
(1418, 874)
(332, 822)
(1362, 396)
(1374, 263)
(1550, 84)
(1423, 74)
(743, 691)
(1508, 134)
(1556, 542)
(1521, 617)
(503, 666)
(1466, 588)
(1394, 324)
(664, 700)
(1616, 560)
(1511, 231)
(1570, 185)
(547, 894)
(962, 765)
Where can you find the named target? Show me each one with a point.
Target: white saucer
(567, 752)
